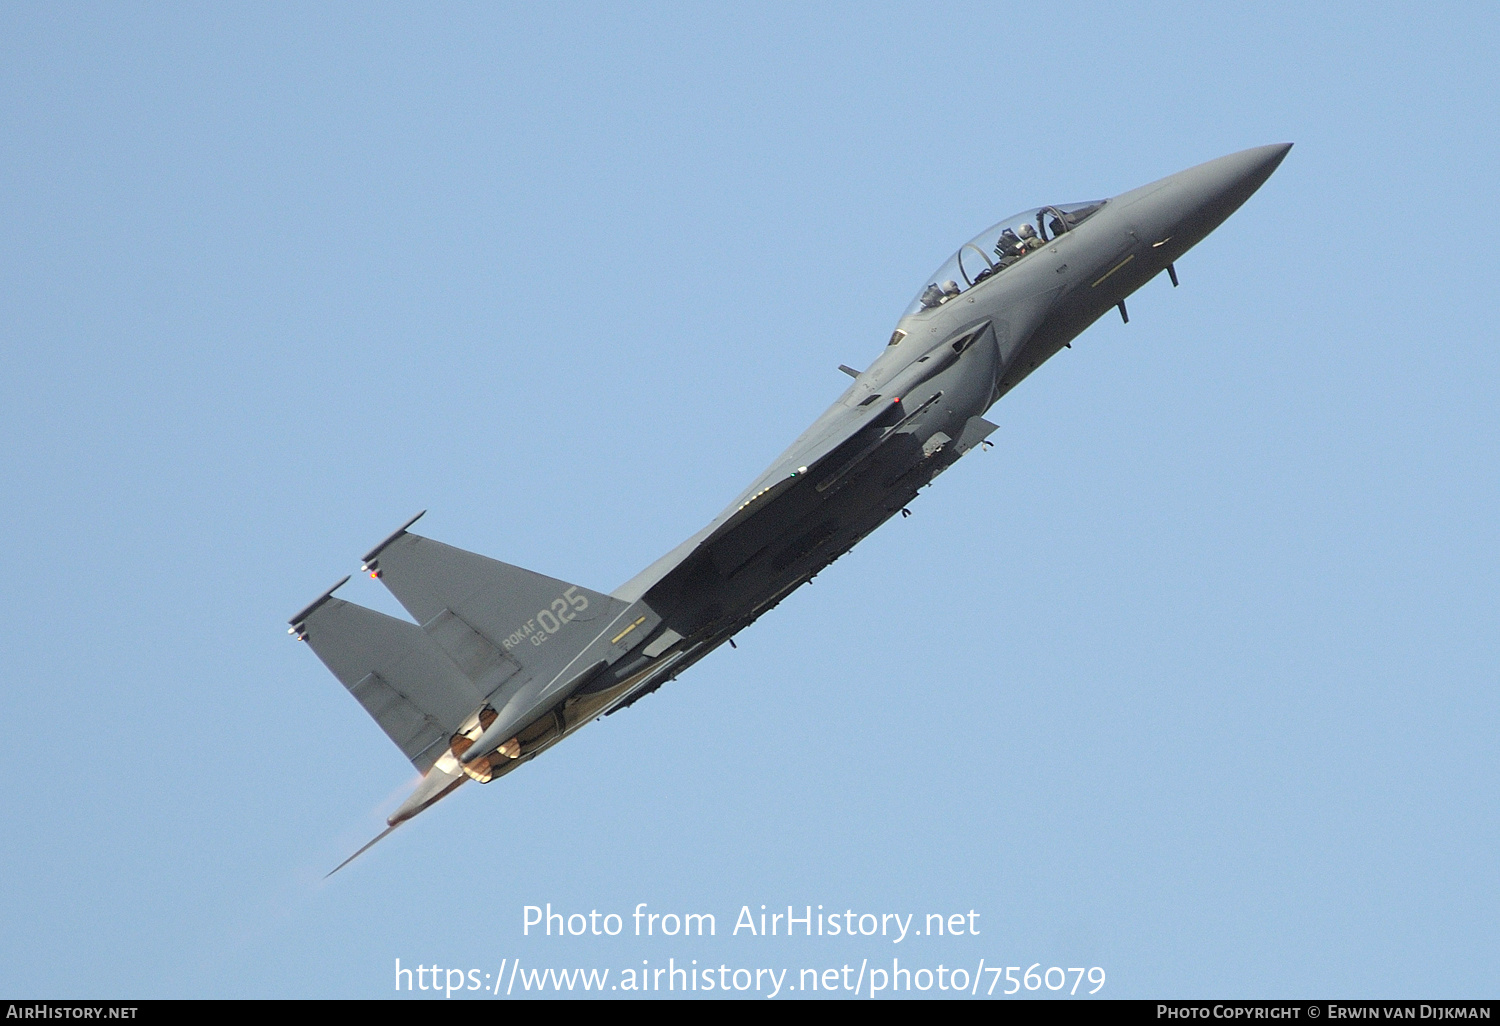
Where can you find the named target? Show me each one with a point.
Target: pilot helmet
(1027, 231)
(950, 287)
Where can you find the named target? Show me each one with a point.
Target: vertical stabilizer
(503, 625)
(396, 671)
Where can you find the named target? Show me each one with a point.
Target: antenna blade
(367, 847)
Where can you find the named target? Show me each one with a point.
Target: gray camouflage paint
(509, 659)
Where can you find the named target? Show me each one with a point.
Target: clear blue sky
(1192, 677)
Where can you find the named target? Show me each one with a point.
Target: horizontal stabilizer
(396, 671)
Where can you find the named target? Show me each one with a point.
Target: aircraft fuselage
(947, 365)
(501, 663)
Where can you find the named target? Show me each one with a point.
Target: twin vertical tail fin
(504, 626)
(396, 671)
(484, 630)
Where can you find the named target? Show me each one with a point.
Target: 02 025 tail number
(550, 620)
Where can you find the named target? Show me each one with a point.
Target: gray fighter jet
(499, 663)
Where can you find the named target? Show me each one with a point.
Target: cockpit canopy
(997, 248)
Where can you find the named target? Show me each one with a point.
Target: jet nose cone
(1247, 170)
(1214, 190)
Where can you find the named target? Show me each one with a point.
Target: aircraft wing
(837, 426)
(840, 426)
(831, 451)
(799, 480)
